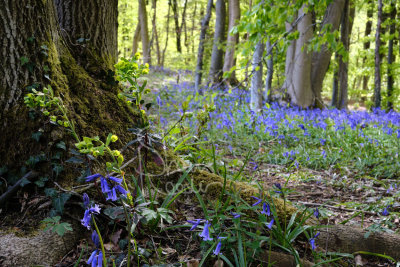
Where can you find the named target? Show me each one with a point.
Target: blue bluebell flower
(94, 259)
(270, 224)
(257, 202)
(112, 194)
(115, 179)
(194, 223)
(85, 200)
(316, 213)
(235, 215)
(96, 239)
(312, 241)
(266, 209)
(206, 232)
(105, 188)
(385, 212)
(217, 250)
(88, 215)
(93, 177)
(278, 185)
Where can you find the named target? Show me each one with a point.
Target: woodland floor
(337, 197)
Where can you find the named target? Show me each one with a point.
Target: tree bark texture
(199, 67)
(97, 29)
(136, 39)
(321, 59)
(35, 55)
(367, 44)
(166, 38)
(232, 39)
(155, 32)
(256, 79)
(377, 81)
(217, 53)
(144, 31)
(391, 56)
(298, 77)
(270, 72)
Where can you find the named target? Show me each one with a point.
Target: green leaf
(59, 202)
(24, 60)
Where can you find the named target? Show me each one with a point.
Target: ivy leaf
(24, 60)
(59, 202)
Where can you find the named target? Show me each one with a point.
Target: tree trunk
(256, 79)
(335, 83)
(37, 55)
(178, 29)
(216, 64)
(298, 78)
(193, 24)
(321, 59)
(344, 63)
(367, 44)
(98, 30)
(377, 82)
(155, 33)
(166, 39)
(270, 73)
(144, 31)
(391, 56)
(136, 39)
(232, 40)
(199, 67)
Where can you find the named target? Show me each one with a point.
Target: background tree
(257, 78)
(377, 81)
(217, 53)
(391, 56)
(144, 31)
(232, 39)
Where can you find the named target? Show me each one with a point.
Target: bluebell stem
(206, 232)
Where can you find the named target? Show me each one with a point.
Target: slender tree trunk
(367, 44)
(344, 63)
(335, 83)
(391, 56)
(155, 33)
(193, 25)
(199, 67)
(298, 78)
(136, 39)
(144, 31)
(178, 28)
(166, 38)
(270, 73)
(256, 79)
(217, 53)
(321, 59)
(232, 40)
(377, 82)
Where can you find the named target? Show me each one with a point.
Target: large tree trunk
(217, 53)
(377, 82)
(256, 79)
(298, 77)
(232, 40)
(199, 67)
(391, 56)
(136, 39)
(144, 31)
(321, 59)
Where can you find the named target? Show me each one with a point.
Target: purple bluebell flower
(206, 232)
(93, 177)
(96, 239)
(322, 141)
(115, 179)
(105, 187)
(112, 195)
(235, 215)
(94, 259)
(270, 224)
(278, 185)
(85, 200)
(121, 190)
(312, 241)
(257, 202)
(88, 215)
(385, 212)
(194, 223)
(266, 209)
(316, 213)
(217, 250)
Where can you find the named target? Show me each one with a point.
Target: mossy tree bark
(49, 52)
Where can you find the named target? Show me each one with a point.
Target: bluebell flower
(278, 185)
(322, 141)
(121, 190)
(85, 200)
(235, 215)
(270, 224)
(206, 232)
(312, 241)
(93, 177)
(105, 188)
(217, 250)
(316, 213)
(389, 189)
(112, 194)
(94, 259)
(266, 209)
(385, 212)
(257, 202)
(194, 223)
(115, 179)
(96, 239)
(88, 215)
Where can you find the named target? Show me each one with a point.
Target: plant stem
(101, 242)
